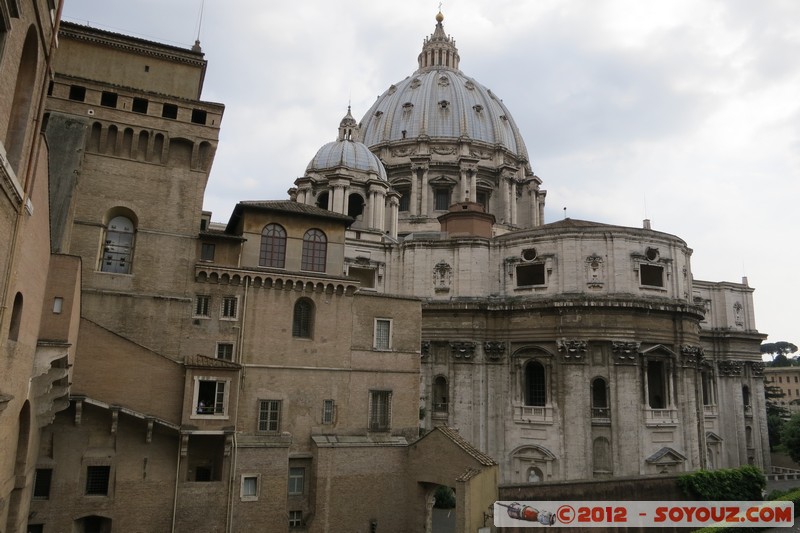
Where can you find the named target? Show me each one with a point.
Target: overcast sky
(686, 112)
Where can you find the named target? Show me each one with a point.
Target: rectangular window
(35, 528)
(201, 305)
(442, 199)
(269, 416)
(41, 483)
(365, 275)
(229, 304)
(530, 275)
(380, 410)
(58, 305)
(211, 397)
(108, 99)
(483, 199)
(383, 334)
(207, 251)
(199, 116)
(139, 105)
(297, 480)
(169, 111)
(295, 519)
(328, 407)
(249, 490)
(225, 351)
(97, 480)
(77, 93)
(651, 275)
(405, 199)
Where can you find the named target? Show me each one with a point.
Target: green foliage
(790, 437)
(780, 352)
(445, 498)
(743, 483)
(774, 426)
(771, 394)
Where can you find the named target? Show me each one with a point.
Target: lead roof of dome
(439, 101)
(346, 153)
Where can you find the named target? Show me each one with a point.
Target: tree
(790, 437)
(777, 349)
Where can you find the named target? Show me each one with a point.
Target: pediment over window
(534, 453)
(712, 438)
(666, 456)
(658, 349)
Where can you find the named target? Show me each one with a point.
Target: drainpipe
(234, 446)
(177, 480)
(30, 174)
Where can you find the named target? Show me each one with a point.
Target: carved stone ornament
(443, 150)
(480, 154)
(442, 276)
(462, 350)
(494, 349)
(737, 314)
(625, 351)
(444, 81)
(425, 349)
(758, 369)
(392, 89)
(594, 271)
(692, 355)
(572, 350)
(730, 368)
(469, 85)
(415, 83)
(404, 151)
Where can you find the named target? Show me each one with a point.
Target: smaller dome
(350, 155)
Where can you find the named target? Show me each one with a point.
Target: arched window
(746, 395)
(440, 395)
(303, 319)
(535, 385)
(16, 318)
(322, 200)
(315, 251)
(118, 246)
(355, 205)
(599, 398)
(22, 102)
(273, 246)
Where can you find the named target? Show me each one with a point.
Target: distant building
(304, 365)
(787, 379)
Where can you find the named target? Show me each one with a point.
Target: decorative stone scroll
(737, 314)
(494, 350)
(594, 272)
(692, 355)
(757, 369)
(730, 368)
(425, 349)
(572, 350)
(625, 351)
(462, 350)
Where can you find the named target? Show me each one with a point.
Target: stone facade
(279, 369)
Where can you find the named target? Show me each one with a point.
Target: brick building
(279, 368)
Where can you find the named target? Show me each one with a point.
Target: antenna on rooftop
(196, 47)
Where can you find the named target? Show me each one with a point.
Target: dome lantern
(439, 50)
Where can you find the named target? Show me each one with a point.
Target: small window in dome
(378, 114)
(478, 108)
(503, 117)
(444, 104)
(408, 106)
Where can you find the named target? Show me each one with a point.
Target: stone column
(473, 187)
(394, 210)
(413, 202)
(464, 196)
(425, 190)
(513, 202)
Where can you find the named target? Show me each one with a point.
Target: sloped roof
(201, 361)
(666, 453)
(464, 444)
(284, 206)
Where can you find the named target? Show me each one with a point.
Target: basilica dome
(346, 153)
(439, 102)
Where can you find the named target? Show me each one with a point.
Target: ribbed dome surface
(441, 103)
(351, 155)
